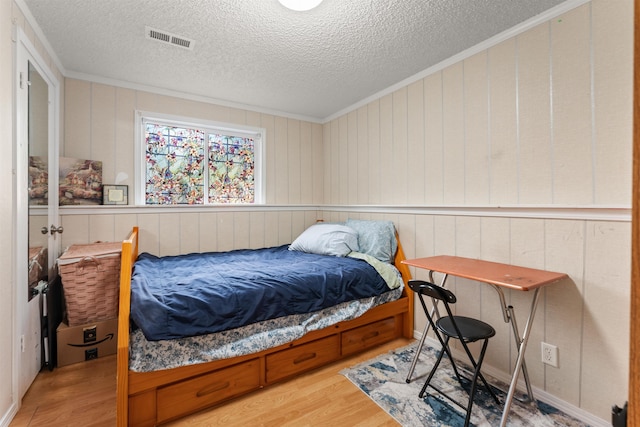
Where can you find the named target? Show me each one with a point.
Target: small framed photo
(115, 194)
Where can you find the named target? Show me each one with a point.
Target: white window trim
(259, 135)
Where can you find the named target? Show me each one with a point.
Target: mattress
(147, 356)
(196, 294)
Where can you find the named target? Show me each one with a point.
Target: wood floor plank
(84, 394)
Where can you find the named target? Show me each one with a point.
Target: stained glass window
(174, 161)
(231, 169)
(187, 165)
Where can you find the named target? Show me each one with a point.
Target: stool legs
(474, 381)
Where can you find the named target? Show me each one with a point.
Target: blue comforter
(195, 294)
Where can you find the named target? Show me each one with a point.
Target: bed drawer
(205, 390)
(367, 336)
(301, 358)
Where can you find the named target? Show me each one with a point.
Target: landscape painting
(80, 182)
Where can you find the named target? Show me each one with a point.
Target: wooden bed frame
(151, 398)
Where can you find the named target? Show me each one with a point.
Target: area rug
(383, 379)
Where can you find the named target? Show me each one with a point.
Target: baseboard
(539, 393)
(9, 415)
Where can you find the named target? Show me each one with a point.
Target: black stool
(464, 329)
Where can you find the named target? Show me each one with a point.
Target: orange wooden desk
(499, 276)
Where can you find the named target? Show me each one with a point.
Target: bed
(154, 388)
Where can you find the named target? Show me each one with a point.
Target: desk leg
(520, 360)
(434, 309)
(516, 334)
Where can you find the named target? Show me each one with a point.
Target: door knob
(55, 229)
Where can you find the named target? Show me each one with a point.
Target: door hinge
(23, 81)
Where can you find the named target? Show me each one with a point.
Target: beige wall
(99, 125)
(541, 119)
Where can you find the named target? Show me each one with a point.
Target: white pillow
(327, 239)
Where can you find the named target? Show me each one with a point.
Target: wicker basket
(90, 277)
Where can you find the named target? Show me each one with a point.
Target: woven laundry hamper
(90, 278)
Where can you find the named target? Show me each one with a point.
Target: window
(183, 162)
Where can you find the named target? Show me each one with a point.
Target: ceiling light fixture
(300, 5)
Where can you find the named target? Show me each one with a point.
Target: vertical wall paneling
(468, 245)
(285, 221)
(527, 243)
(306, 163)
(122, 226)
(124, 134)
(386, 150)
(271, 237)
(476, 130)
(542, 118)
(351, 182)
(257, 230)
(363, 166)
(268, 123)
(415, 166)
(226, 229)
(102, 142)
(453, 134)
(279, 139)
(534, 117)
(150, 235)
(434, 144)
(76, 230)
(77, 120)
(495, 246)
(572, 127)
(398, 173)
(317, 179)
(332, 165)
(342, 158)
(375, 159)
(189, 226)
(101, 228)
(169, 233)
(208, 231)
(236, 115)
(294, 158)
(563, 305)
(503, 120)
(241, 230)
(606, 296)
(612, 74)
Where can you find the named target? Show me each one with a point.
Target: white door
(37, 240)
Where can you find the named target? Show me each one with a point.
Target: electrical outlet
(550, 354)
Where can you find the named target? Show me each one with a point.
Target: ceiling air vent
(169, 38)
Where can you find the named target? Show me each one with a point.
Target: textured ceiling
(257, 53)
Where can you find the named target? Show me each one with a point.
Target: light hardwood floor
(84, 395)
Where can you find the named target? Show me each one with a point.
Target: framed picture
(114, 194)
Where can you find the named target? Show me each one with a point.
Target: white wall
(7, 288)
(10, 16)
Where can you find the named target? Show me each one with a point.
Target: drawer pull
(213, 388)
(304, 358)
(370, 335)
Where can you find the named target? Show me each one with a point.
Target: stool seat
(470, 328)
